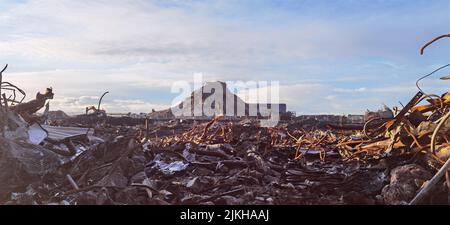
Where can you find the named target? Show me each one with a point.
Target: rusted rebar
(437, 177)
(431, 42)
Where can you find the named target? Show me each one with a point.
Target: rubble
(225, 163)
(242, 165)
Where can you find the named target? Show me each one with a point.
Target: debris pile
(224, 163)
(212, 163)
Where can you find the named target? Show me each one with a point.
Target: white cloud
(129, 31)
(343, 90)
(309, 98)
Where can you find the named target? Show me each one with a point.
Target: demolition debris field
(398, 159)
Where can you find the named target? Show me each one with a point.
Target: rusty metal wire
(14, 92)
(436, 131)
(11, 89)
(431, 42)
(436, 70)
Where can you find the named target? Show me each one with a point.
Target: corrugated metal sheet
(61, 133)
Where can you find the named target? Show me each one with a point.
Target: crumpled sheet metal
(169, 168)
(36, 134)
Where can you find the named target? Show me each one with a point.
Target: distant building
(137, 116)
(333, 119)
(355, 119)
(385, 113)
(57, 115)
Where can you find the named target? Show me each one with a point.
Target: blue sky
(329, 56)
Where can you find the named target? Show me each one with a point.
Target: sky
(330, 57)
